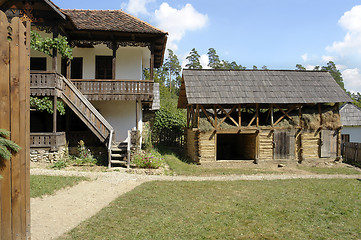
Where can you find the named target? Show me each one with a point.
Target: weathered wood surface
(266, 145)
(45, 83)
(192, 144)
(310, 145)
(101, 89)
(206, 146)
(47, 140)
(15, 116)
(352, 152)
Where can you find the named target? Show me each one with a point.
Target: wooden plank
(16, 197)
(5, 194)
(205, 113)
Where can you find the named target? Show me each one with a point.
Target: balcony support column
(55, 52)
(114, 49)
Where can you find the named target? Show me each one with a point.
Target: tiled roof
(109, 20)
(350, 115)
(259, 86)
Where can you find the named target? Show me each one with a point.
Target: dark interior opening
(38, 63)
(236, 146)
(103, 67)
(76, 70)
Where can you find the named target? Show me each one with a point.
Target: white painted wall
(121, 115)
(355, 133)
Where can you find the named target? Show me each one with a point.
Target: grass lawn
(281, 209)
(330, 170)
(41, 185)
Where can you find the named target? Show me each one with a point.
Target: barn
(261, 115)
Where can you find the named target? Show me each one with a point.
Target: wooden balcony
(47, 140)
(104, 89)
(45, 83)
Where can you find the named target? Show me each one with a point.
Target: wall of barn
(265, 145)
(310, 144)
(192, 144)
(207, 146)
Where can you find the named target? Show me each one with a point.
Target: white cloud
(352, 79)
(351, 44)
(204, 61)
(328, 58)
(178, 21)
(304, 57)
(137, 7)
(310, 67)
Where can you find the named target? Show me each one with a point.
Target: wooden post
(114, 49)
(320, 112)
(136, 115)
(198, 116)
(68, 69)
(272, 115)
(55, 52)
(215, 117)
(300, 115)
(152, 62)
(257, 114)
(239, 116)
(55, 109)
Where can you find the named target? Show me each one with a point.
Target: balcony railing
(104, 89)
(47, 140)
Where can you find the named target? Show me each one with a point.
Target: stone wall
(44, 155)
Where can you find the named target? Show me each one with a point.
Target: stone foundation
(44, 155)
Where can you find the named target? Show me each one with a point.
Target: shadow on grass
(177, 152)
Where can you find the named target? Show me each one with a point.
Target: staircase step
(118, 155)
(118, 162)
(118, 149)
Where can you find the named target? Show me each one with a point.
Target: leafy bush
(85, 157)
(59, 164)
(150, 159)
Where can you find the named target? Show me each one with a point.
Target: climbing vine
(46, 104)
(46, 45)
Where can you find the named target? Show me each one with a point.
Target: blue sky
(275, 33)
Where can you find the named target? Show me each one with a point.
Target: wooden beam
(285, 114)
(271, 109)
(205, 113)
(320, 112)
(215, 117)
(228, 115)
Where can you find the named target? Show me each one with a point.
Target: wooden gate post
(15, 116)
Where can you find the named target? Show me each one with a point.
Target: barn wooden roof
(210, 86)
(350, 115)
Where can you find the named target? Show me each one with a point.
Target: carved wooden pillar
(114, 49)
(55, 52)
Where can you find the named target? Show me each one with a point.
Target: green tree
(316, 68)
(255, 67)
(264, 67)
(213, 58)
(193, 60)
(336, 74)
(300, 67)
(173, 67)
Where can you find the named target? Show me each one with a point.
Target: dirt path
(54, 215)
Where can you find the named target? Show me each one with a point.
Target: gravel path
(54, 215)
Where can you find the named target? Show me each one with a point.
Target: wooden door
(284, 144)
(328, 143)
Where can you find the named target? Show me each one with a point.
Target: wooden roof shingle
(350, 115)
(259, 86)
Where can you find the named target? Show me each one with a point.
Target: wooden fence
(352, 152)
(15, 116)
(170, 137)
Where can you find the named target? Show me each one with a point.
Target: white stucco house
(351, 123)
(103, 86)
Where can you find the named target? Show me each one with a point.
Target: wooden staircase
(119, 154)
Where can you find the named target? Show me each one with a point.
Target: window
(38, 63)
(103, 67)
(345, 137)
(76, 68)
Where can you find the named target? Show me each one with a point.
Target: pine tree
(213, 58)
(6, 146)
(300, 67)
(193, 60)
(335, 73)
(173, 67)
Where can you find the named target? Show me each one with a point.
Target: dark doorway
(38, 63)
(103, 67)
(76, 68)
(236, 146)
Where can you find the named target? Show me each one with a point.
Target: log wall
(207, 146)
(310, 144)
(266, 145)
(192, 144)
